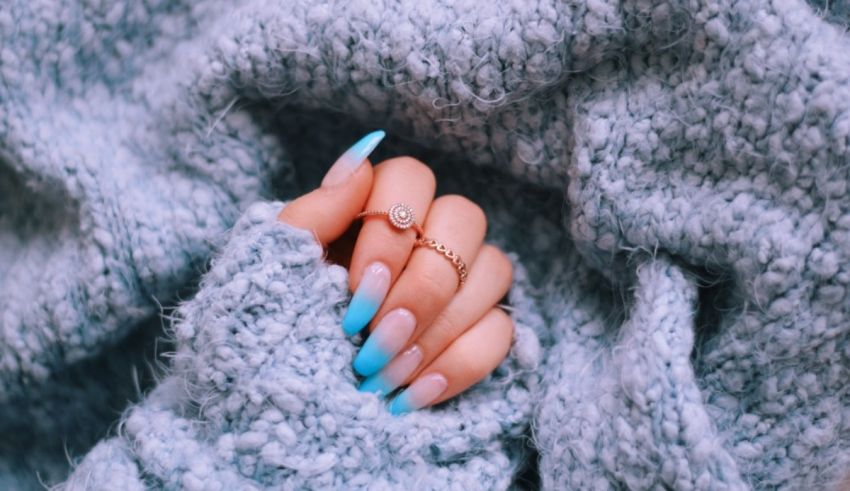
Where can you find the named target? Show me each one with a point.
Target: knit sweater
(669, 178)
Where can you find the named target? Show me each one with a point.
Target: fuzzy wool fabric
(670, 178)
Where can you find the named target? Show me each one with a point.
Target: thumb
(329, 210)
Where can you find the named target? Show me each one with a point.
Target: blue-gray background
(670, 175)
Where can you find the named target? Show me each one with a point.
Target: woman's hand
(428, 332)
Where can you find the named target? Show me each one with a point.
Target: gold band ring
(449, 254)
(401, 217)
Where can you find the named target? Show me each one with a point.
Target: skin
(461, 334)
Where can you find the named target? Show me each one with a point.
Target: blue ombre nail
(376, 384)
(348, 162)
(371, 359)
(422, 392)
(367, 299)
(391, 377)
(401, 404)
(388, 338)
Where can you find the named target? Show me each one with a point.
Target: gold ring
(449, 254)
(401, 217)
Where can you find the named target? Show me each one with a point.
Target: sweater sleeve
(261, 392)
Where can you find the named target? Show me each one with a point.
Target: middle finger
(381, 250)
(429, 280)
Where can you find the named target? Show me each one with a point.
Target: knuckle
(498, 262)
(436, 286)
(461, 206)
(445, 329)
(414, 169)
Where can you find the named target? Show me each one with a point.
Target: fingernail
(352, 158)
(420, 393)
(394, 374)
(370, 294)
(386, 340)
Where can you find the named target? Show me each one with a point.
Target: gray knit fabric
(670, 178)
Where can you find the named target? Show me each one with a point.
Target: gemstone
(401, 216)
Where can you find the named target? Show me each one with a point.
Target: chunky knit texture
(669, 176)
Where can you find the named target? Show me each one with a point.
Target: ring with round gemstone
(400, 215)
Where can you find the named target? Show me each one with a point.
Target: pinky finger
(469, 359)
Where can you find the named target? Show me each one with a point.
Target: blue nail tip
(371, 359)
(400, 405)
(376, 385)
(366, 145)
(360, 312)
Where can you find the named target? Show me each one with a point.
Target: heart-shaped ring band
(401, 217)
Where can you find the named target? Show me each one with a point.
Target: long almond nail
(390, 336)
(394, 374)
(346, 164)
(367, 299)
(422, 392)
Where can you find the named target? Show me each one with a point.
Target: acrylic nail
(389, 336)
(367, 299)
(422, 392)
(394, 374)
(346, 164)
